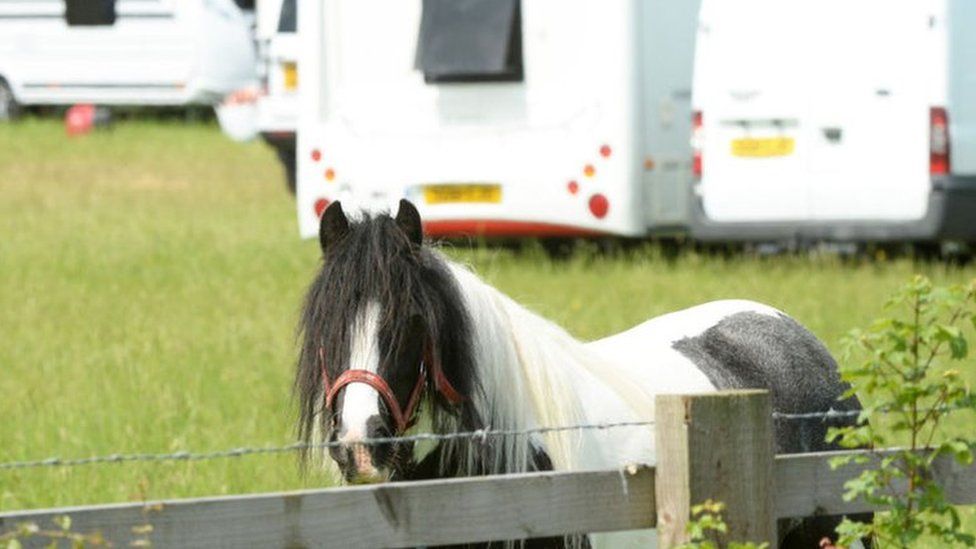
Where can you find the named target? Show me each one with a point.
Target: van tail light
(697, 136)
(939, 146)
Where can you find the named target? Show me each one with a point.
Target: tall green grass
(150, 279)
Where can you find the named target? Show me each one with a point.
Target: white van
(835, 120)
(268, 106)
(277, 102)
(499, 117)
(129, 52)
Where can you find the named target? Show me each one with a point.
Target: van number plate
(763, 147)
(463, 193)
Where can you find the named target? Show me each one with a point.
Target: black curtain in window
(288, 18)
(89, 12)
(470, 41)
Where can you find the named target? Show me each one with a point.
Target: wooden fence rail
(715, 446)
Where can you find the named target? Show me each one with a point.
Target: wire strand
(297, 446)
(482, 434)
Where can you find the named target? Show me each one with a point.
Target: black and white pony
(398, 339)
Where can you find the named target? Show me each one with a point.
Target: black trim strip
(119, 17)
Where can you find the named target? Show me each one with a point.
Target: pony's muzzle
(357, 461)
(361, 469)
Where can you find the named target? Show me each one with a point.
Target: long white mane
(531, 371)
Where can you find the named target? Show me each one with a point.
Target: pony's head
(384, 332)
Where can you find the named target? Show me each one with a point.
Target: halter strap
(402, 417)
(441, 383)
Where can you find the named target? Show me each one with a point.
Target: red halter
(403, 417)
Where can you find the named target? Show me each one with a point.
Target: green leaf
(63, 522)
(959, 348)
(961, 450)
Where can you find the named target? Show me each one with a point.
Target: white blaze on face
(360, 401)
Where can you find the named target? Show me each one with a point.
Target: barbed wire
(482, 434)
(829, 414)
(841, 414)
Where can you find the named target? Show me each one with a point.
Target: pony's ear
(333, 227)
(408, 219)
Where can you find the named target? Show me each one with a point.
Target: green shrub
(706, 529)
(905, 370)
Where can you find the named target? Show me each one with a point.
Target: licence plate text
(463, 193)
(763, 147)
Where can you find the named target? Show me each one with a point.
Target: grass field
(150, 278)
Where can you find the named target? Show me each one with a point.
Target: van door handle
(833, 134)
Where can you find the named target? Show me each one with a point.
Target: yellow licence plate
(291, 76)
(466, 193)
(763, 147)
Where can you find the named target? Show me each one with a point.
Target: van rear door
(816, 110)
(870, 84)
(749, 91)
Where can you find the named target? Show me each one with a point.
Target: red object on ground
(80, 119)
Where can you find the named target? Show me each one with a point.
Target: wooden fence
(717, 446)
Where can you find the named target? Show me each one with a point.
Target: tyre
(9, 108)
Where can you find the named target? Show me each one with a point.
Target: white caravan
(122, 52)
(499, 117)
(835, 120)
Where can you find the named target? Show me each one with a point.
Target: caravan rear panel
(533, 132)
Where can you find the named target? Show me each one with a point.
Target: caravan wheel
(9, 108)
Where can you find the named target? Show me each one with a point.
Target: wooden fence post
(716, 446)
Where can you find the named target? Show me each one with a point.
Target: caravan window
(89, 12)
(287, 19)
(470, 41)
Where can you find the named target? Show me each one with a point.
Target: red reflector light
(572, 187)
(599, 206)
(320, 206)
(939, 144)
(697, 135)
(605, 151)
(316, 155)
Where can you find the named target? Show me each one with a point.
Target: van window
(89, 12)
(288, 18)
(470, 41)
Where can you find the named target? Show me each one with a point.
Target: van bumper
(951, 215)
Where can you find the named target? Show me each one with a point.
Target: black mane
(375, 261)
